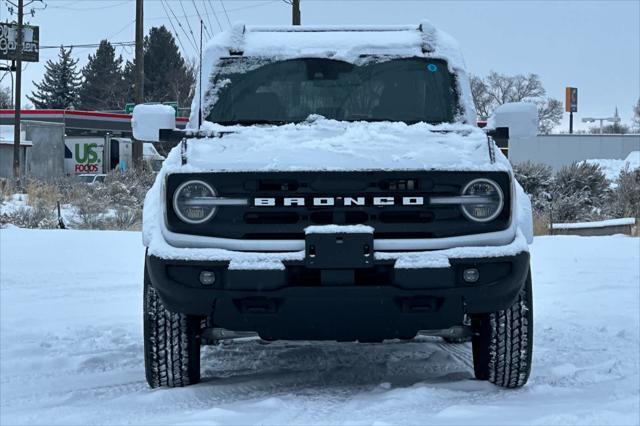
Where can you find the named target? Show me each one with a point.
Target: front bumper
(299, 303)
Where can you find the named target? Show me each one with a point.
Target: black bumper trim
(372, 304)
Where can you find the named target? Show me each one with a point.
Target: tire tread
(171, 344)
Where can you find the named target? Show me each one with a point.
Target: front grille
(397, 221)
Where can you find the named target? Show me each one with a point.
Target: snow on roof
(339, 43)
(346, 43)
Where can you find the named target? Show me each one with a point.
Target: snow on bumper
(441, 258)
(159, 247)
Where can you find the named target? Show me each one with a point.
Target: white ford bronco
(333, 185)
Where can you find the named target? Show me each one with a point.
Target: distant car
(90, 178)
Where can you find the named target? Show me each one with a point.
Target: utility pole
(200, 80)
(295, 12)
(17, 104)
(136, 147)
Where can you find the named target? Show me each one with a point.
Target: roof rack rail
(238, 32)
(330, 28)
(237, 39)
(428, 36)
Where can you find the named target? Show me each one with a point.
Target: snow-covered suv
(333, 185)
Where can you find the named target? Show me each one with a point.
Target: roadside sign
(83, 154)
(173, 105)
(128, 108)
(9, 42)
(571, 99)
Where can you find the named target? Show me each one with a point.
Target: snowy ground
(71, 349)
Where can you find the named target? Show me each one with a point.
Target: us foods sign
(9, 42)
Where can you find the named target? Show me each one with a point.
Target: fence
(560, 150)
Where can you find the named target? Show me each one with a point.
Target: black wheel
(503, 342)
(171, 343)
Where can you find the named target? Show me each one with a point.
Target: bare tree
(5, 98)
(550, 112)
(498, 89)
(636, 115)
(481, 97)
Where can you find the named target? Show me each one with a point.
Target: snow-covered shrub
(537, 182)
(89, 208)
(42, 193)
(626, 195)
(114, 204)
(39, 216)
(580, 192)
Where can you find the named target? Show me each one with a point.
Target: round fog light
(471, 275)
(207, 278)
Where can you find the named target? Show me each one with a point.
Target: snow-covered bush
(580, 192)
(114, 204)
(626, 195)
(38, 216)
(537, 182)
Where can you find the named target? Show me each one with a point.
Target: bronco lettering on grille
(337, 201)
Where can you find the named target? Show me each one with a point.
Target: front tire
(171, 343)
(503, 342)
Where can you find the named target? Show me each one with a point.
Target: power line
(200, 17)
(206, 13)
(180, 24)
(251, 6)
(195, 43)
(214, 15)
(88, 9)
(225, 12)
(88, 45)
(173, 27)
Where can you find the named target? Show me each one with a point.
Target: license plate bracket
(339, 250)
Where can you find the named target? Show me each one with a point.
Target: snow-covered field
(71, 349)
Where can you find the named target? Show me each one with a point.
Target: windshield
(409, 90)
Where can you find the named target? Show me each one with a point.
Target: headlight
(186, 205)
(489, 203)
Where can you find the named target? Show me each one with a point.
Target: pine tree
(103, 84)
(59, 87)
(129, 77)
(167, 76)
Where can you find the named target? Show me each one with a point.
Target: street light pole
(615, 119)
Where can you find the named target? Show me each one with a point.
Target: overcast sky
(592, 45)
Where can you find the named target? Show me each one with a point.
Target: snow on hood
(328, 145)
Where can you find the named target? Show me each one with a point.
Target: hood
(328, 145)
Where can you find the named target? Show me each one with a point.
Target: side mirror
(148, 120)
(520, 117)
